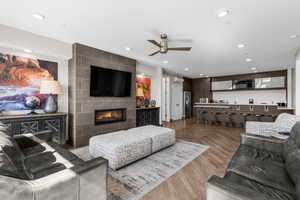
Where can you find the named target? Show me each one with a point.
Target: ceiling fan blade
(190, 41)
(156, 52)
(180, 49)
(155, 43)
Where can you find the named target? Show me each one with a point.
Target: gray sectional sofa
(33, 169)
(263, 168)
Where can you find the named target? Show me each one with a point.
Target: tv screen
(109, 83)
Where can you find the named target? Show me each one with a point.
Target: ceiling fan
(163, 45)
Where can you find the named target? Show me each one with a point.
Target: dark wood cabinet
(147, 116)
(23, 124)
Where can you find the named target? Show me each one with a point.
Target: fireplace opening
(110, 116)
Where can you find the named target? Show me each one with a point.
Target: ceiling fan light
(39, 16)
(222, 13)
(241, 46)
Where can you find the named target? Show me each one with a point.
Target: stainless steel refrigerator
(187, 102)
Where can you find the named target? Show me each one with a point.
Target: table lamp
(50, 87)
(140, 97)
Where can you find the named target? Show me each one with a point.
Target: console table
(147, 116)
(22, 124)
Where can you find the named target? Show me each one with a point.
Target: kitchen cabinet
(221, 85)
(270, 82)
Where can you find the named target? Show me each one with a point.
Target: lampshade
(50, 87)
(139, 92)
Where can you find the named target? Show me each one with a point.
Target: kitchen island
(237, 114)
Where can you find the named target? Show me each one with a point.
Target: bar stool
(252, 117)
(238, 119)
(210, 117)
(266, 118)
(217, 118)
(200, 116)
(224, 118)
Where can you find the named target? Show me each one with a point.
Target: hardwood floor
(190, 182)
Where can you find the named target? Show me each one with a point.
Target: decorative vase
(147, 103)
(33, 103)
(51, 106)
(153, 103)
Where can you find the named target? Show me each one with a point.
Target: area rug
(134, 181)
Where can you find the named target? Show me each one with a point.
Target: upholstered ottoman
(161, 137)
(120, 148)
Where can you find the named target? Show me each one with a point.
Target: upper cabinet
(221, 85)
(274, 80)
(270, 82)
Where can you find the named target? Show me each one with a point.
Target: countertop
(232, 104)
(211, 106)
(227, 105)
(31, 116)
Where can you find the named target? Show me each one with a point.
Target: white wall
(242, 97)
(290, 87)
(297, 88)
(155, 73)
(293, 87)
(14, 41)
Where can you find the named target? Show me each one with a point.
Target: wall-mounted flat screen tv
(109, 83)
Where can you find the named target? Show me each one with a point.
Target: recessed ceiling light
(255, 71)
(27, 50)
(165, 62)
(240, 46)
(293, 36)
(253, 68)
(222, 13)
(127, 48)
(186, 69)
(201, 74)
(248, 60)
(39, 16)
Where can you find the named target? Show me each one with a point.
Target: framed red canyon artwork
(20, 77)
(143, 86)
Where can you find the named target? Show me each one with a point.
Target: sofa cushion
(263, 172)
(261, 191)
(11, 149)
(287, 121)
(248, 152)
(53, 168)
(39, 161)
(26, 142)
(7, 167)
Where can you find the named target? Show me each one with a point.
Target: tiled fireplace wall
(82, 106)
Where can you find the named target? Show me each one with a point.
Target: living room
(120, 100)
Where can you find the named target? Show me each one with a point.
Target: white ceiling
(263, 25)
